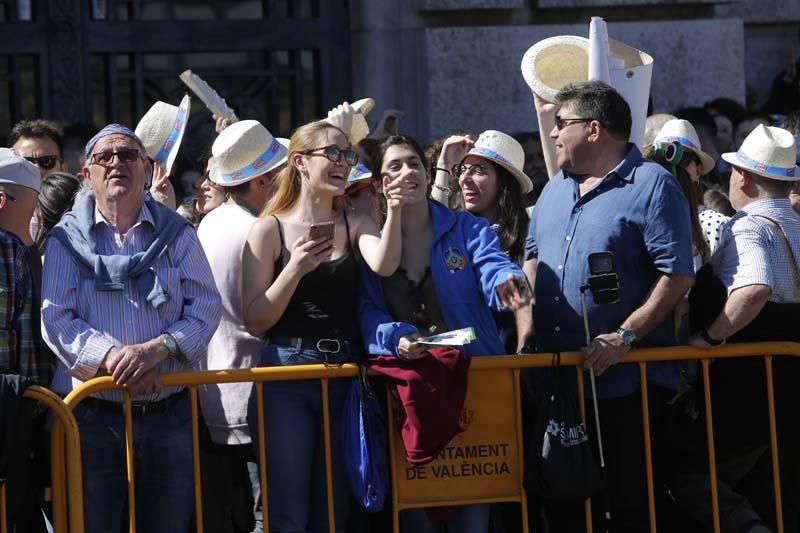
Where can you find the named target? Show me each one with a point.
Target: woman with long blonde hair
(299, 293)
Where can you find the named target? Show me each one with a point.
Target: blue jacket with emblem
(465, 293)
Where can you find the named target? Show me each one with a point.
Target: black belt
(138, 408)
(324, 345)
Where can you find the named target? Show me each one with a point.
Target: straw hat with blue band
(245, 150)
(359, 175)
(161, 131)
(769, 152)
(505, 151)
(683, 133)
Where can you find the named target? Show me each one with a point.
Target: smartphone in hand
(321, 230)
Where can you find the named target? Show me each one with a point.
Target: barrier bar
(587, 503)
(712, 460)
(773, 443)
(129, 459)
(262, 455)
(648, 452)
(198, 492)
(326, 434)
(65, 452)
(520, 450)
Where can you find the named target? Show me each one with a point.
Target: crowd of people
(334, 246)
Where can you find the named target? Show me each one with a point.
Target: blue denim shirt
(639, 213)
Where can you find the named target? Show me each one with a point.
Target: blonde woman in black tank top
(300, 295)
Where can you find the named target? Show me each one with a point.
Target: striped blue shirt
(750, 252)
(81, 324)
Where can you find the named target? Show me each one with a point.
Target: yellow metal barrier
(67, 490)
(511, 363)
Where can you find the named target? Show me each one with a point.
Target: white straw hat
(245, 150)
(358, 174)
(683, 133)
(768, 151)
(551, 64)
(505, 151)
(360, 128)
(161, 131)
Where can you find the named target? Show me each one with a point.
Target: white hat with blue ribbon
(358, 174)
(768, 151)
(682, 132)
(161, 131)
(503, 150)
(245, 150)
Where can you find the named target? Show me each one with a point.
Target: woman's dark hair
(395, 140)
(55, 198)
(719, 202)
(691, 190)
(511, 215)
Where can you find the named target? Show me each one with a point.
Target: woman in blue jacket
(451, 274)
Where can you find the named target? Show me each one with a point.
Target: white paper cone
(598, 50)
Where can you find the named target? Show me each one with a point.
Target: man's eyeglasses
(10, 197)
(334, 154)
(45, 162)
(126, 155)
(461, 169)
(562, 123)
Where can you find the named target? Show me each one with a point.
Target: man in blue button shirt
(606, 198)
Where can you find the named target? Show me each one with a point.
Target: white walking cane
(606, 499)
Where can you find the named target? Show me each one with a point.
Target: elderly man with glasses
(606, 198)
(129, 293)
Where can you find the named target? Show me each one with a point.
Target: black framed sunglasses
(46, 161)
(126, 155)
(334, 154)
(562, 123)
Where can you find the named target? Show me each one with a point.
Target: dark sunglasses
(46, 161)
(126, 155)
(334, 154)
(562, 123)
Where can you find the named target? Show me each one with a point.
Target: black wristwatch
(709, 339)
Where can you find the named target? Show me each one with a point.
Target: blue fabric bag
(365, 445)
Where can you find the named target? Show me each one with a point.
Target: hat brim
(525, 182)
(185, 106)
(278, 160)
(553, 63)
(730, 157)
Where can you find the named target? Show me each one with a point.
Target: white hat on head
(768, 151)
(358, 174)
(505, 151)
(360, 128)
(682, 132)
(245, 150)
(17, 170)
(161, 131)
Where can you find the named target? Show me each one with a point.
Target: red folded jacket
(429, 396)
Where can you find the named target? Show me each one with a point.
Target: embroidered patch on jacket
(454, 259)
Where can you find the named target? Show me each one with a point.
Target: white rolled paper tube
(634, 85)
(598, 50)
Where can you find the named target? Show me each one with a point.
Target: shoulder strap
(347, 229)
(789, 254)
(280, 232)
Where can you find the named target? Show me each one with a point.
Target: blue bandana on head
(112, 129)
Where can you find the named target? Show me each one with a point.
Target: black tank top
(324, 303)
